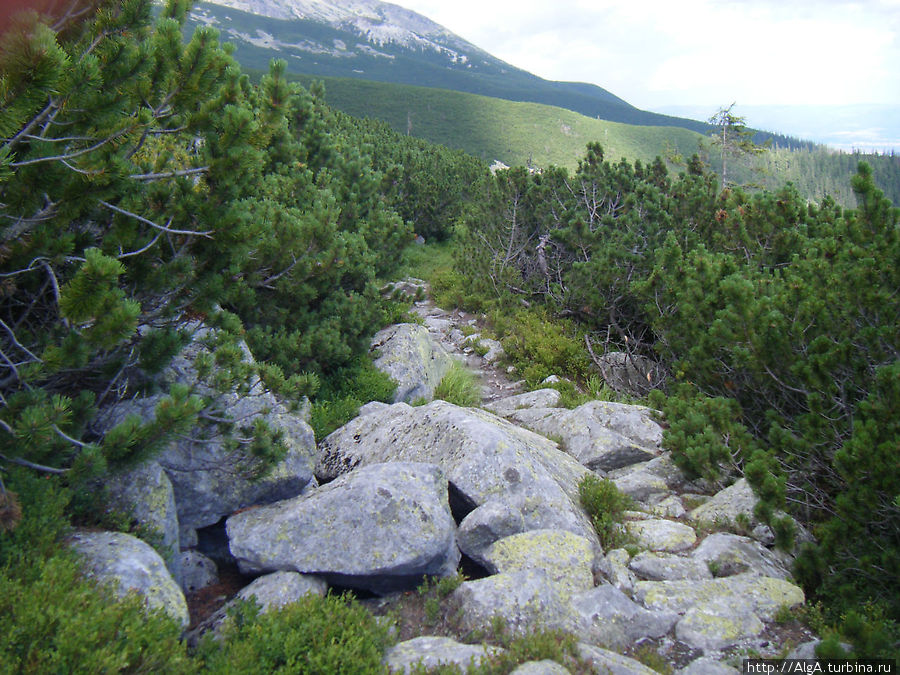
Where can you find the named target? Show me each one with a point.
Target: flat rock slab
(379, 528)
(130, 564)
(761, 595)
(662, 535)
(707, 665)
(484, 457)
(610, 663)
(540, 398)
(600, 435)
(407, 353)
(668, 567)
(545, 667)
(717, 625)
(490, 522)
(430, 652)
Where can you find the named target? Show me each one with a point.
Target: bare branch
(169, 174)
(32, 465)
(166, 228)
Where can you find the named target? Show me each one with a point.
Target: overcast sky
(654, 53)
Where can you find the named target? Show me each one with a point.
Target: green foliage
(459, 386)
(341, 395)
(605, 505)
(540, 347)
(314, 635)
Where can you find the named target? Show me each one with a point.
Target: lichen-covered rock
(669, 507)
(379, 528)
(717, 625)
(198, 571)
(707, 665)
(642, 486)
(601, 435)
(761, 595)
(606, 616)
(545, 667)
(667, 567)
(566, 559)
(737, 500)
(662, 535)
(430, 652)
(484, 457)
(412, 359)
(615, 570)
(523, 601)
(488, 523)
(129, 564)
(729, 554)
(539, 398)
(145, 494)
(275, 590)
(610, 663)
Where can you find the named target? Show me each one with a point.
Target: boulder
(484, 457)
(707, 665)
(761, 595)
(412, 359)
(491, 521)
(614, 567)
(642, 486)
(667, 567)
(611, 663)
(669, 507)
(129, 564)
(601, 435)
(540, 398)
(662, 535)
(429, 652)
(145, 494)
(717, 625)
(275, 590)
(606, 616)
(198, 570)
(727, 505)
(727, 554)
(565, 558)
(545, 667)
(379, 528)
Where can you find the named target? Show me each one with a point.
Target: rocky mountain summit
(404, 492)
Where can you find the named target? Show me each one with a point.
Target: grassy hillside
(490, 128)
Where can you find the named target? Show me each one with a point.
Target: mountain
(379, 41)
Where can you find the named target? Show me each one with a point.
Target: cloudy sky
(656, 53)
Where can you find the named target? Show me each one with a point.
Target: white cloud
(711, 52)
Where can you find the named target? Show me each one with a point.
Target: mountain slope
(372, 40)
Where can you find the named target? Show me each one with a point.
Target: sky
(659, 53)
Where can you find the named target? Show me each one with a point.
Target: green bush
(314, 636)
(540, 346)
(605, 505)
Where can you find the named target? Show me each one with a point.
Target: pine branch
(165, 228)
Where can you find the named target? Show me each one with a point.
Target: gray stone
(198, 570)
(407, 353)
(379, 528)
(540, 398)
(430, 652)
(372, 407)
(491, 521)
(663, 467)
(707, 665)
(145, 494)
(545, 667)
(662, 535)
(737, 500)
(606, 616)
(729, 554)
(601, 435)
(670, 507)
(610, 663)
(763, 596)
(642, 486)
(717, 625)
(667, 567)
(616, 570)
(565, 558)
(275, 590)
(523, 601)
(484, 457)
(129, 564)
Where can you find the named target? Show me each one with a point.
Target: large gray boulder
(668, 567)
(145, 494)
(430, 652)
(210, 478)
(601, 435)
(716, 625)
(412, 359)
(484, 457)
(539, 398)
(490, 522)
(727, 505)
(611, 663)
(657, 534)
(130, 564)
(379, 528)
(728, 554)
(544, 667)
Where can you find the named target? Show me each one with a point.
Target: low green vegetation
(605, 505)
(459, 386)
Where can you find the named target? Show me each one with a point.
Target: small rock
(198, 571)
(707, 665)
(545, 667)
(430, 652)
(611, 663)
(666, 567)
(488, 523)
(540, 398)
(662, 535)
(717, 625)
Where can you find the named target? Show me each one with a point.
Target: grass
(605, 504)
(459, 386)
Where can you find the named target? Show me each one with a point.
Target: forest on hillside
(146, 183)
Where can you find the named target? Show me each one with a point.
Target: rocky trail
(404, 492)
